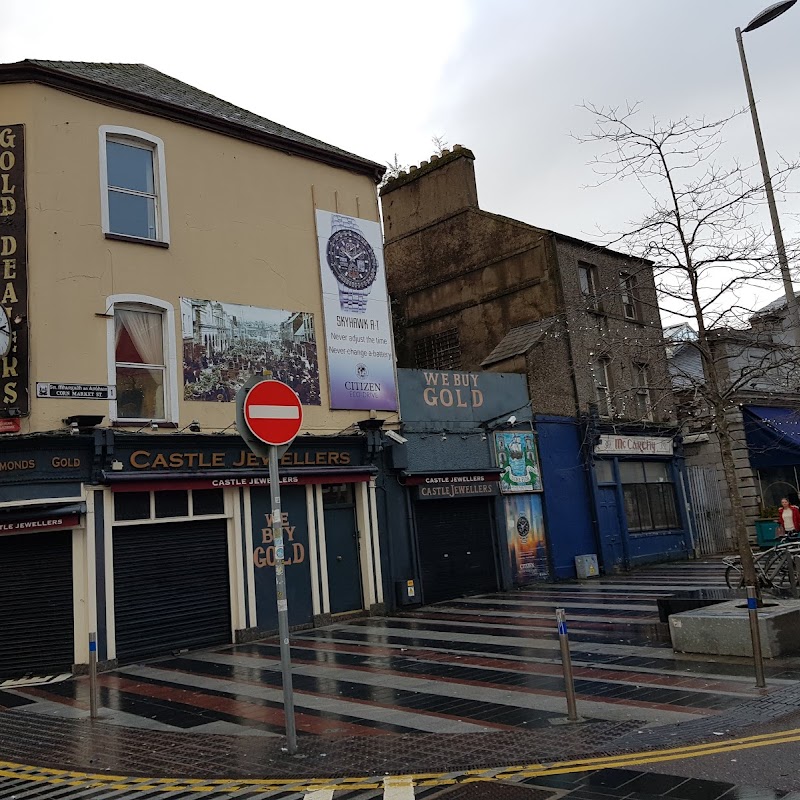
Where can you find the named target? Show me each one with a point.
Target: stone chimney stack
(435, 190)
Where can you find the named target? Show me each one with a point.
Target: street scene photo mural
(225, 343)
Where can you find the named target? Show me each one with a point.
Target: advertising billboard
(527, 547)
(358, 335)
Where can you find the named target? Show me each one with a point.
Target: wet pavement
(481, 664)
(468, 684)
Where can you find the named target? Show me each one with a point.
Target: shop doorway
(342, 544)
(456, 548)
(36, 612)
(610, 530)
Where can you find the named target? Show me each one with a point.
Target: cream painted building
(159, 246)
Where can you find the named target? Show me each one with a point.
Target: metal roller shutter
(456, 548)
(36, 622)
(171, 588)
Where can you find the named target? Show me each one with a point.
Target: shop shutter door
(455, 548)
(170, 588)
(36, 623)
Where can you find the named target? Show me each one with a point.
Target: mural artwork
(517, 458)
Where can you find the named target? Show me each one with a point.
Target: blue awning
(773, 435)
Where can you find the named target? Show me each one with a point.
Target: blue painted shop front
(638, 494)
(618, 496)
(568, 502)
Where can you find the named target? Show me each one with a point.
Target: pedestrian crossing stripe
(397, 784)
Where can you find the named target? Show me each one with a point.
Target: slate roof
(148, 90)
(775, 305)
(681, 331)
(519, 340)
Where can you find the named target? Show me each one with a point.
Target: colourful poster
(518, 460)
(358, 335)
(224, 344)
(527, 547)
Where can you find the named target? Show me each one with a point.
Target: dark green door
(341, 539)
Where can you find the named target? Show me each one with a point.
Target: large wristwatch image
(353, 263)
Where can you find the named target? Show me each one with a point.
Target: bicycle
(772, 565)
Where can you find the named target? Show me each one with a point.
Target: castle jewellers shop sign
(14, 272)
(438, 487)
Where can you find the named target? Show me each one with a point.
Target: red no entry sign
(273, 412)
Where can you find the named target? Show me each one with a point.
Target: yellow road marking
(636, 759)
(33, 774)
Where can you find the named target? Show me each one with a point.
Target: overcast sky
(503, 77)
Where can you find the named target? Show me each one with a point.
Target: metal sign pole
(93, 675)
(755, 635)
(283, 607)
(566, 663)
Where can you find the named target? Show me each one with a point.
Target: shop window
(131, 505)
(337, 494)
(171, 503)
(142, 361)
(168, 504)
(650, 501)
(207, 501)
(604, 471)
(776, 483)
(440, 351)
(134, 189)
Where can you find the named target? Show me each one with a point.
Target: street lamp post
(767, 15)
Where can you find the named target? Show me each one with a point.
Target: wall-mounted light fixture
(153, 425)
(193, 426)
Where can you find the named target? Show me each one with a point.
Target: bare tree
(708, 247)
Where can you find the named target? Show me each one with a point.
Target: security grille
(171, 588)
(440, 351)
(36, 616)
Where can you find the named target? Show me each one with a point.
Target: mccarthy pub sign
(14, 266)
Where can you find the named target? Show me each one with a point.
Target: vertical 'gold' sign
(14, 269)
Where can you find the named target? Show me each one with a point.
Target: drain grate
(491, 790)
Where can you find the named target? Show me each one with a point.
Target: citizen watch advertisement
(358, 335)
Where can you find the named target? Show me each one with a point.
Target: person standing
(788, 519)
